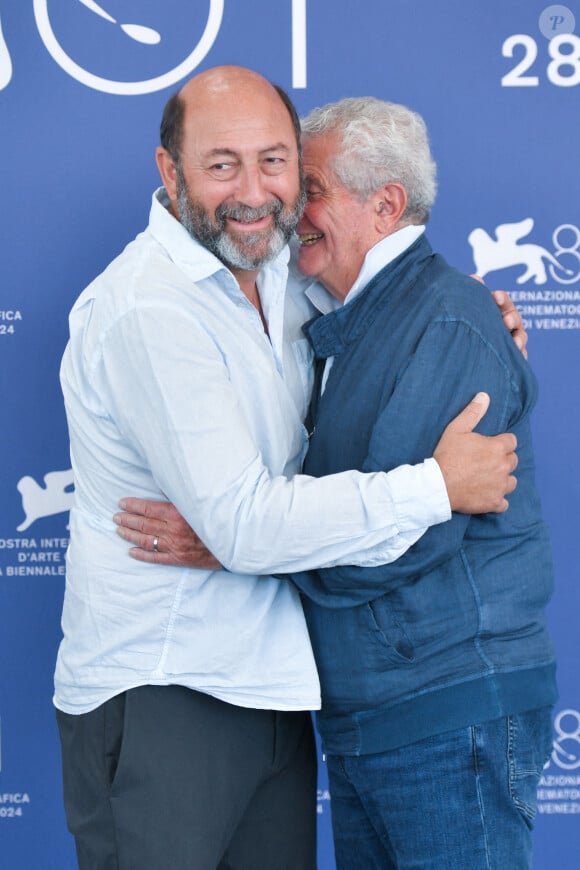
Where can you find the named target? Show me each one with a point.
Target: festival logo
(141, 57)
(40, 553)
(55, 497)
(5, 61)
(559, 787)
(543, 305)
(566, 754)
(127, 48)
(504, 251)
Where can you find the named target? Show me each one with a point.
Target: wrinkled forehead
(319, 156)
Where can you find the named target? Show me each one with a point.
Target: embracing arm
(195, 437)
(476, 471)
(512, 320)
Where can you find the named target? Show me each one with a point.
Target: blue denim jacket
(453, 632)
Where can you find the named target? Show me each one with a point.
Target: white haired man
(437, 671)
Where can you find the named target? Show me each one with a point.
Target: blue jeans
(464, 800)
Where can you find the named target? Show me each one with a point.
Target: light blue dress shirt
(174, 391)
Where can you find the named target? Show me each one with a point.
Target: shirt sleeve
(449, 366)
(172, 398)
(417, 490)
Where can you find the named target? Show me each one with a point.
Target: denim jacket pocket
(389, 630)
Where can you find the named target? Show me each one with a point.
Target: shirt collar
(379, 256)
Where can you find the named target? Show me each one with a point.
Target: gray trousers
(165, 778)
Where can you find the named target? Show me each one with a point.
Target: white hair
(379, 142)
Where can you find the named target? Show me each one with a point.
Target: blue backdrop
(81, 92)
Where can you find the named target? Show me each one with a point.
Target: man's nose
(251, 189)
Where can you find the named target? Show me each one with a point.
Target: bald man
(182, 695)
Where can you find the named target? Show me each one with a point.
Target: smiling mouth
(310, 238)
(256, 223)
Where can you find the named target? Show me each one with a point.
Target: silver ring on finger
(156, 544)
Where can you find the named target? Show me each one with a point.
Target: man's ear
(390, 203)
(167, 171)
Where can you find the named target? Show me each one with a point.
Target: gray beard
(238, 252)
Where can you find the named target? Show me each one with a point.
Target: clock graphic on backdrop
(126, 47)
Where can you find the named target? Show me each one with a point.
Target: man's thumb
(471, 414)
